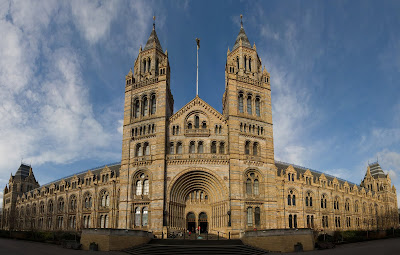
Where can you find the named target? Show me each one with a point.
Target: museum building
(198, 168)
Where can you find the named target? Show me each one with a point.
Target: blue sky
(334, 65)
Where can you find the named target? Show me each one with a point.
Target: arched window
(153, 104)
(258, 106)
(72, 203)
(290, 221)
(248, 187)
(294, 200)
(323, 201)
(138, 188)
(245, 63)
(196, 121)
(309, 199)
(249, 216)
(257, 216)
(247, 148)
(222, 148)
(145, 106)
(146, 187)
(137, 217)
(171, 148)
(105, 198)
(191, 147)
(237, 63)
(189, 125)
(256, 187)
(149, 65)
(137, 108)
(144, 65)
(249, 64)
(255, 149)
(249, 106)
(295, 221)
(200, 147)
(214, 147)
(157, 66)
(240, 100)
(50, 206)
(87, 201)
(179, 148)
(146, 149)
(60, 205)
(204, 125)
(145, 216)
(138, 151)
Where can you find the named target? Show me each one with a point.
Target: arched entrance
(203, 223)
(191, 222)
(197, 198)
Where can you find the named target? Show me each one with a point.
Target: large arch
(213, 199)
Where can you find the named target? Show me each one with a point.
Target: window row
(247, 63)
(143, 130)
(255, 129)
(197, 147)
(175, 130)
(252, 148)
(146, 65)
(141, 106)
(196, 124)
(251, 103)
(142, 149)
(252, 184)
(217, 129)
(142, 185)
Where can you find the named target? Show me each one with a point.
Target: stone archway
(201, 195)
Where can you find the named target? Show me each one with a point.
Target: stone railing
(197, 132)
(197, 156)
(249, 80)
(143, 83)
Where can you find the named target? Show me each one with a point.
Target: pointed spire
(241, 39)
(153, 41)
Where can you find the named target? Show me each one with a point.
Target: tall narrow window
(256, 187)
(153, 104)
(250, 64)
(189, 125)
(289, 199)
(146, 149)
(145, 217)
(138, 188)
(294, 200)
(144, 65)
(146, 187)
(257, 217)
(245, 62)
(138, 150)
(255, 149)
(137, 217)
(290, 221)
(247, 148)
(191, 147)
(171, 148)
(248, 187)
(149, 65)
(145, 106)
(222, 148)
(200, 147)
(295, 221)
(258, 106)
(156, 66)
(214, 147)
(196, 122)
(237, 63)
(249, 109)
(179, 148)
(137, 108)
(249, 216)
(240, 99)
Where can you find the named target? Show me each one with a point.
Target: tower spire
(197, 76)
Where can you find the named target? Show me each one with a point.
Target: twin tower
(189, 169)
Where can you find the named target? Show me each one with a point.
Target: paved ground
(379, 247)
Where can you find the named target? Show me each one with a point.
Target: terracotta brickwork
(199, 168)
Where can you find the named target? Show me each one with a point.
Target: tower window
(137, 108)
(249, 106)
(148, 65)
(237, 62)
(222, 148)
(196, 121)
(240, 101)
(200, 147)
(191, 147)
(245, 62)
(247, 148)
(249, 64)
(179, 148)
(145, 104)
(258, 106)
(153, 104)
(214, 147)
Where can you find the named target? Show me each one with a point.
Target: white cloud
(93, 18)
(120, 128)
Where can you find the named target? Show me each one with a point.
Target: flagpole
(197, 76)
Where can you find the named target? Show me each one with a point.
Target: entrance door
(203, 222)
(191, 222)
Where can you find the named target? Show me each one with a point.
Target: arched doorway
(191, 221)
(203, 223)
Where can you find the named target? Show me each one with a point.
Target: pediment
(198, 104)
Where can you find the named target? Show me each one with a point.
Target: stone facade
(198, 168)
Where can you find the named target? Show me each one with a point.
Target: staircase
(194, 247)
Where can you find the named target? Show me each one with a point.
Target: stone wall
(280, 240)
(114, 239)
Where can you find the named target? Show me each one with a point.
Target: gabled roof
(376, 170)
(241, 36)
(197, 101)
(153, 39)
